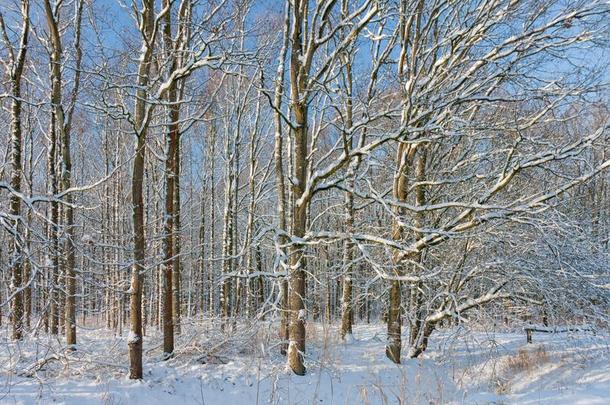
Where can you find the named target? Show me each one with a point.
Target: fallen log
(555, 329)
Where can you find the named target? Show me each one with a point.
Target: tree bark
(176, 269)
(394, 316)
(62, 126)
(141, 126)
(347, 316)
(17, 63)
(278, 153)
(296, 287)
(168, 232)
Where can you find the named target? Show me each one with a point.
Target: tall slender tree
(16, 66)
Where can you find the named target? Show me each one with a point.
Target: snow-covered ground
(460, 367)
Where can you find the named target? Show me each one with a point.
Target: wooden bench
(556, 329)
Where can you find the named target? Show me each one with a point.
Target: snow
(132, 337)
(461, 367)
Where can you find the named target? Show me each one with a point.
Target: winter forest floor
(461, 367)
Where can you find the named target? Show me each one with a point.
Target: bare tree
(61, 125)
(310, 30)
(15, 67)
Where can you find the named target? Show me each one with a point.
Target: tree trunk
(27, 265)
(168, 233)
(135, 296)
(201, 259)
(177, 301)
(415, 299)
(227, 236)
(347, 316)
(278, 153)
(212, 226)
(296, 287)
(394, 315)
(17, 63)
(62, 128)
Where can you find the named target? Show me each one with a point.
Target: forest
(253, 193)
